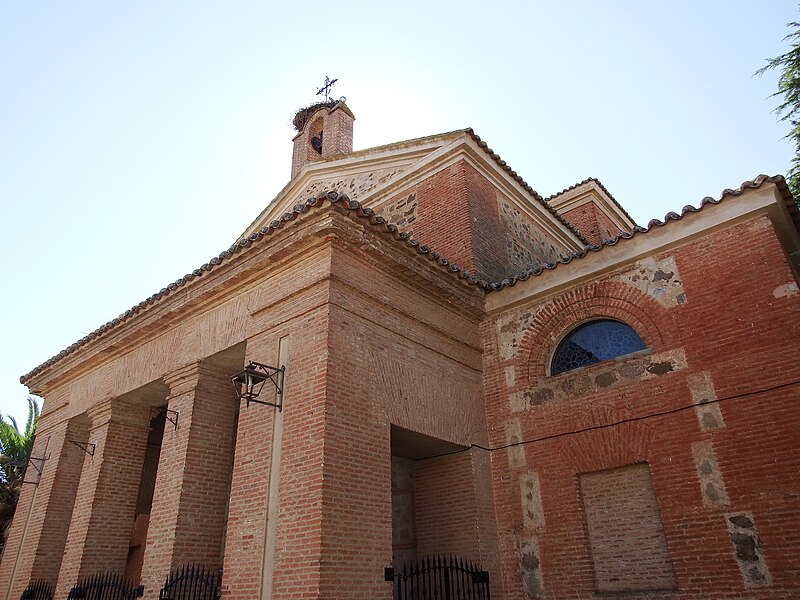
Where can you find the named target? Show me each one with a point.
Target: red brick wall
(723, 473)
(458, 216)
(488, 235)
(44, 525)
(626, 538)
(592, 223)
(443, 216)
(447, 512)
(391, 348)
(297, 544)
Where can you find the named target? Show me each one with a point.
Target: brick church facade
(446, 392)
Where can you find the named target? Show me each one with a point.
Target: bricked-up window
(626, 539)
(594, 342)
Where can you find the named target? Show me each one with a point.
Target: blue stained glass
(594, 342)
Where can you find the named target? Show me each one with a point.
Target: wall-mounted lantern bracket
(249, 383)
(87, 447)
(169, 415)
(37, 462)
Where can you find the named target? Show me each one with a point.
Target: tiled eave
(377, 223)
(349, 207)
(601, 186)
(758, 182)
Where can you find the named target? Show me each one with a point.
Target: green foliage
(15, 448)
(16, 445)
(789, 92)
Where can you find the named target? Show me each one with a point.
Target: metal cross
(325, 89)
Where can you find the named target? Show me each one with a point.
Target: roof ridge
(352, 208)
(602, 187)
(536, 195)
(419, 139)
(753, 184)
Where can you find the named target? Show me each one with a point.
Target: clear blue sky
(139, 139)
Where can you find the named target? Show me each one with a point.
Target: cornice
(216, 280)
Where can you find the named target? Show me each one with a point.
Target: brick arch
(620, 445)
(601, 300)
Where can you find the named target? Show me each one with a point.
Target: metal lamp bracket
(87, 447)
(275, 375)
(37, 462)
(169, 415)
(265, 373)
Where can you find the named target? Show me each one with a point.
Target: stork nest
(301, 116)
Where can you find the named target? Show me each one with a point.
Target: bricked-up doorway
(433, 500)
(144, 500)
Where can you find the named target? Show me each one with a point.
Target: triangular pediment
(358, 174)
(376, 176)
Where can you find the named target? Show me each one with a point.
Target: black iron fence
(439, 578)
(105, 586)
(192, 582)
(38, 590)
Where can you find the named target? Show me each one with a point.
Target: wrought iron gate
(192, 582)
(38, 590)
(440, 578)
(105, 586)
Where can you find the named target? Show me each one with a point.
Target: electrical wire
(616, 423)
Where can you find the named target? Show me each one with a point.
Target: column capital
(119, 410)
(185, 379)
(100, 413)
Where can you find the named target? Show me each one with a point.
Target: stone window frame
(579, 325)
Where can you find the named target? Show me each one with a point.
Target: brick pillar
(102, 520)
(37, 537)
(187, 520)
(251, 539)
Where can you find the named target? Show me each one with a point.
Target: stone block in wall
(701, 388)
(532, 510)
(602, 377)
(712, 486)
(516, 452)
(530, 566)
(658, 279)
(747, 548)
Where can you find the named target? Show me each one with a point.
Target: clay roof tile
(349, 207)
(654, 223)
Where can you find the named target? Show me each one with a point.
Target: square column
(187, 520)
(35, 544)
(102, 520)
(251, 549)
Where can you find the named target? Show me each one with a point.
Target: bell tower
(324, 129)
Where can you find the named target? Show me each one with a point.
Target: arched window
(594, 342)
